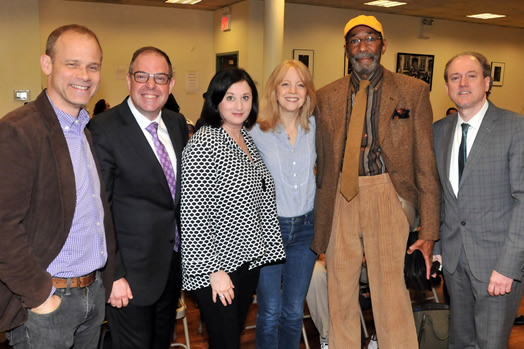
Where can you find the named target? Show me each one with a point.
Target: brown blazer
(37, 205)
(407, 150)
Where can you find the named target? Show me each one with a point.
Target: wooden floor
(199, 341)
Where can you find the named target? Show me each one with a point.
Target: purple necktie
(167, 167)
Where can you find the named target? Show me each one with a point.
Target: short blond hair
(269, 113)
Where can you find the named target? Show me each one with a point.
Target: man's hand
(120, 294)
(437, 258)
(426, 247)
(499, 284)
(51, 304)
(322, 259)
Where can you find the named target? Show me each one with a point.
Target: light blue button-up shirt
(292, 166)
(85, 248)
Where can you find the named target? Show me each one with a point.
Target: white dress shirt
(162, 133)
(474, 125)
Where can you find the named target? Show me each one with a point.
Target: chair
(103, 331)
(181, 314)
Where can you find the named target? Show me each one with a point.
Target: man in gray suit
(480, 160)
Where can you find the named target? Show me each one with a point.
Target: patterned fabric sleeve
(199, 179)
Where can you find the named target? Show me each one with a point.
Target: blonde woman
(285, 138)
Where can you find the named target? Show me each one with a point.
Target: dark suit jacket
(406, 145)
(487, 217)
(37, 205)
(143, 210)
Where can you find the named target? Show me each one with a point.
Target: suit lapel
(176, 141)
(338, 103)
(178, 146)
(448, 135)
(389, 99)
(482, 141)
(64, 165)
(338, 106)
(137, 141)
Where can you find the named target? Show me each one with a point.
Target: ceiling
(442, 9)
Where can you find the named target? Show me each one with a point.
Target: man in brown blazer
(56, 233)
(393, 183)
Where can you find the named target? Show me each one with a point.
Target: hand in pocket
(51, 304)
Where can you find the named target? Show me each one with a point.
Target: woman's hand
(222, 286)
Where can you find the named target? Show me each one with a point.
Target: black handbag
(415, 267)
(432, 323)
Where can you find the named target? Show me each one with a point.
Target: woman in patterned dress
(228, 209)
(285, 138)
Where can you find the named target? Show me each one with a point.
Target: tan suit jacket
(406, 144)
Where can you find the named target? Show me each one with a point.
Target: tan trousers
(375, 222)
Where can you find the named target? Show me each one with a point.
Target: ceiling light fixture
(385, 3)
(486, 16)
(182, 2)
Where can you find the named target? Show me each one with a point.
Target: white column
(273, 35)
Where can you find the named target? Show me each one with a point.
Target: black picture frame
(497, 73)
(419, 66)
(305, 56)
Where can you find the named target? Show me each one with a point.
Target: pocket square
(400, 113)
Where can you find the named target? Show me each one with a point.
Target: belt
(297, 218)
(79, 281)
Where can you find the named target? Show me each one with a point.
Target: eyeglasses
(368, 40)
(143, 77)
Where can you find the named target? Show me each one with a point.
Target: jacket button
(462, 223)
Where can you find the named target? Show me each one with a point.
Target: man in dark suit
(139, 145)
(55, 227)
(480, 159)
(388, 177)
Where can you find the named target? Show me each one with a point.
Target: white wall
(192, 38)
(185, 35)
(19, 51)
(321, 29)
(245, 36)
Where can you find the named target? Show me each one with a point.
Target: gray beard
(362, 69)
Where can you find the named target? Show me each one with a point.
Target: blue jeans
(282, 287)
(75, 323)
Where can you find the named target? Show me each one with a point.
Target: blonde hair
(269, 115)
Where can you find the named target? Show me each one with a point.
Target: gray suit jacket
(487, 217)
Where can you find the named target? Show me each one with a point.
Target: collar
(69, 122)
(374, 81)
(476, 120)
(141, 119)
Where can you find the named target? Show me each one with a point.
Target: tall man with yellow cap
(376, 180)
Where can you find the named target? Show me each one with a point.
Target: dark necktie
(349, 175)
(463, 149)
(165, 162)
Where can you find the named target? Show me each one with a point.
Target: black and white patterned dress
(228, 208)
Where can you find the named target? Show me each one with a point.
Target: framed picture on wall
(305, 56)
(497, 73)
(416, 65)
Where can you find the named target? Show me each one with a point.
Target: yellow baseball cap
(368, 21)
